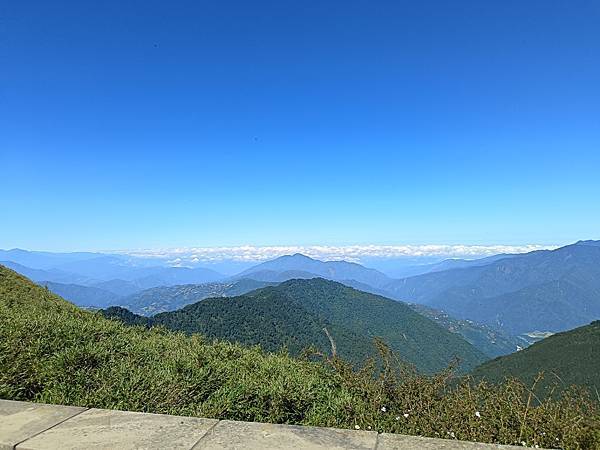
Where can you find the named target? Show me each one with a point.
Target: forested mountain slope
(570, 357)
(295, 314)
(488, 340)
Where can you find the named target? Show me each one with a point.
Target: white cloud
(249, 253)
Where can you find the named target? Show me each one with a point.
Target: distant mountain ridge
(301, 266)
(455, 263)
(589, 242)
(547, 290)
(43, 260)
(121, 275)
(54, 275)
(84, 296)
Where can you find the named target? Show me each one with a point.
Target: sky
(152, 124)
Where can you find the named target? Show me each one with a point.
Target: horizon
(228, 261)
(339, 252)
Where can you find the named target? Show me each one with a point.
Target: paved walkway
(37, 426)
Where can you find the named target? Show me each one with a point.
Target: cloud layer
(357, 253)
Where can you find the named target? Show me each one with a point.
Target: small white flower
(405, 415)
(397, 417)
(383, 409)
(356, 427)
(478, 414)
(452, 434)
(537, 446)
(369, 427)
(523, 443)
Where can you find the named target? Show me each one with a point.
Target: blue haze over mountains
(513, 295)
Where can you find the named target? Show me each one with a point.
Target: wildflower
(356, 427)
(383, 409)
(523, 443)
(452, 434)
(397, 417)
(369, 427)
(478, 414)
(405, 415)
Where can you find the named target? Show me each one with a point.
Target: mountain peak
(298, 256)
(590, 242)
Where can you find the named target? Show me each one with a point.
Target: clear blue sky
(150, 123)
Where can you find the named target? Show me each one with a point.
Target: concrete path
(37, 426)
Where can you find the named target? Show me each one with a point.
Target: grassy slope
(54, 352)
(571, 357)
(51, 351)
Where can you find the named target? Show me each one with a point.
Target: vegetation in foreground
(50, 351)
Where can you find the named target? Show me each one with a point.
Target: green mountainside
(53, 352)
(295, 314)
(490, 341)
(570, 357)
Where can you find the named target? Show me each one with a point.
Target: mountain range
(549, 290)
(116, 274)
(84, 296)
(496, 303)
(301, 266)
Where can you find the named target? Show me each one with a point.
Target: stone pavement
(37, 426)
